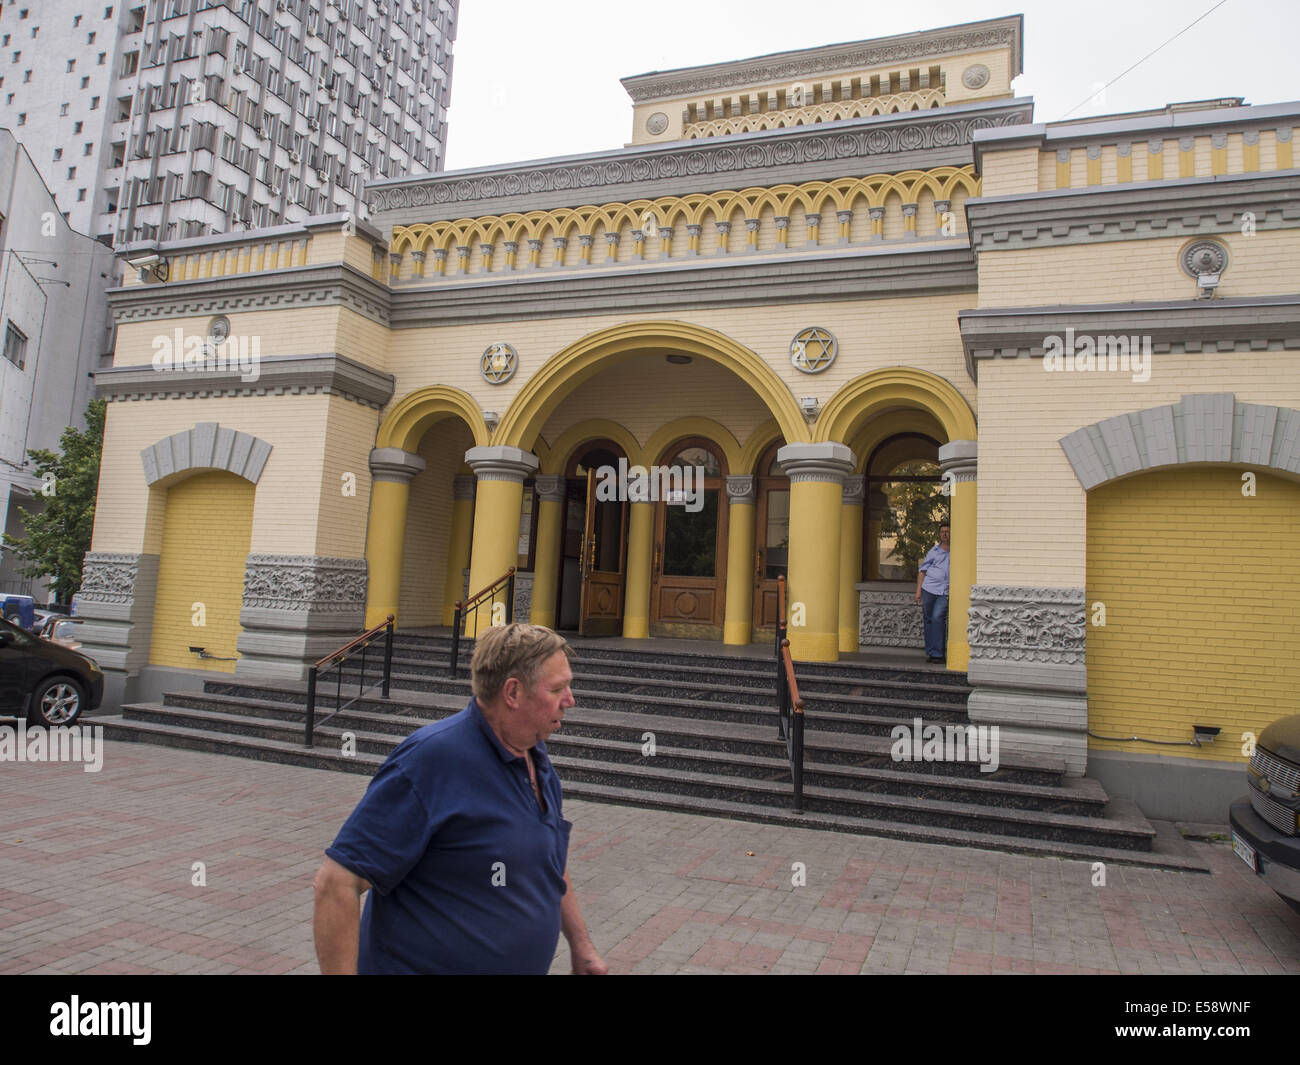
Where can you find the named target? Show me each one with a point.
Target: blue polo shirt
(935, 568)
(467, 871)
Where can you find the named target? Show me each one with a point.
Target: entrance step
(716, 749)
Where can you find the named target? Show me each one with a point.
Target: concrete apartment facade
(54, 315)
(803, 271)
(186, 118)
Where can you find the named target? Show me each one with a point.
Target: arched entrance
(772, 522)
(593, 566)
(689, 574)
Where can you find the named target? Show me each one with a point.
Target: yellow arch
(894, 422)
(757, 443)
(695, 426)
(893, 386)
(584, 358)
(414, 413)
(592, 429)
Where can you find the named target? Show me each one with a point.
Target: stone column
(845, 219)
(584, 242)
(550, 532)
(909, 221)
(458, 543)
(782, 229)
(391, 473)
(854, 495)
(512, 253)
(742, 495)
(636, 595)
(814, 223)
(816, 473)
(751, 234)
(724, 236)
(501, 472)
(611, 247)
(877, 216)
(116, 604)
(957, 464)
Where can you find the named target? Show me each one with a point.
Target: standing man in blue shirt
(459, 839)
(932, 594)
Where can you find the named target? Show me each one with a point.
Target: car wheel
(56, 701)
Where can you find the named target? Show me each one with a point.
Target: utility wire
(1141, 61)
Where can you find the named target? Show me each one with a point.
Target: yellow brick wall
(277, 332)
(205, 544)
(1012, 171)
(350, 434)
(1122, 271)
(1032, 509)
(290, 491)
(428, 523)
(1200, 586)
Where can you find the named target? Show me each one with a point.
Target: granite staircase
(712, 722)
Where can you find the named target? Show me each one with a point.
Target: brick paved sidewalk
(96, 871)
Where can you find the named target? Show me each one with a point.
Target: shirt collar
(503, 752)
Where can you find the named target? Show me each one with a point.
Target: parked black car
(46, 683)
(1266, 824)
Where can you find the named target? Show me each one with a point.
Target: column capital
(549, 487)
(855, 490)
(829, 462)
(395, 465)
(742, 488)
(463, 486)
(501, 463)
(960, 458)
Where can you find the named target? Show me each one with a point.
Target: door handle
(658, 558)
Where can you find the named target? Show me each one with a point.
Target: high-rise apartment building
(186, 118)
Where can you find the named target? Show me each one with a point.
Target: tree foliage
(59, 536)
(914, 512)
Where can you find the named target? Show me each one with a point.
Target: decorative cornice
(1142, 211)
(742, 488)
(855, 55)
(305, 583)
(278, 375)
(855, 272)
(827, 462)
(1206, 427)
(394, 465)
(1027, 624)
(207, 446)
(914, 140)
(336, 284)
(1259, 323)
(501, 463)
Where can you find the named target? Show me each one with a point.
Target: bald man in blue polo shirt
(459, 839)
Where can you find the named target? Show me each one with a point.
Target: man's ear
(511, 690)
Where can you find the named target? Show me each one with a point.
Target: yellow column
(850, 560)
(462, 525)
(958, 462)
(391, 473)
(737, 626)
(636, 597)
(550, 530)
(501, 472)
(816, 473)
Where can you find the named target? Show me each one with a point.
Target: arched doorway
(593, 563)
(688, 574)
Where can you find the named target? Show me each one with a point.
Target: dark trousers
(934, 609)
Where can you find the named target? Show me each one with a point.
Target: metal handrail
(335, 659)
(475, 601)
(789, 706)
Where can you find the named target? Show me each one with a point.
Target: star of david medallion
(498, 363)
(813, 349)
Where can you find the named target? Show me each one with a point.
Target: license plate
(1244, 850)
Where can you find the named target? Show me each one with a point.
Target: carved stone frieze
(305, 582)
(889, 619)
(108, 577)
(1027, 624)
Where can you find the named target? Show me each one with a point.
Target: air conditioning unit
(322, 176)
(280, 5)
(333, 94)
(387, 54)
(294, 157)
(275, 191)
(313, 125)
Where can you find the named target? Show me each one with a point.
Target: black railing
(789, 705)
(487, 597)
(359, 646)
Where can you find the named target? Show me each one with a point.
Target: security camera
(145, 262)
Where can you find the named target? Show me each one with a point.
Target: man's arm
(336, 922)
(586, 960)
(920, 576)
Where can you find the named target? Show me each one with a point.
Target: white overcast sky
(534, 79)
